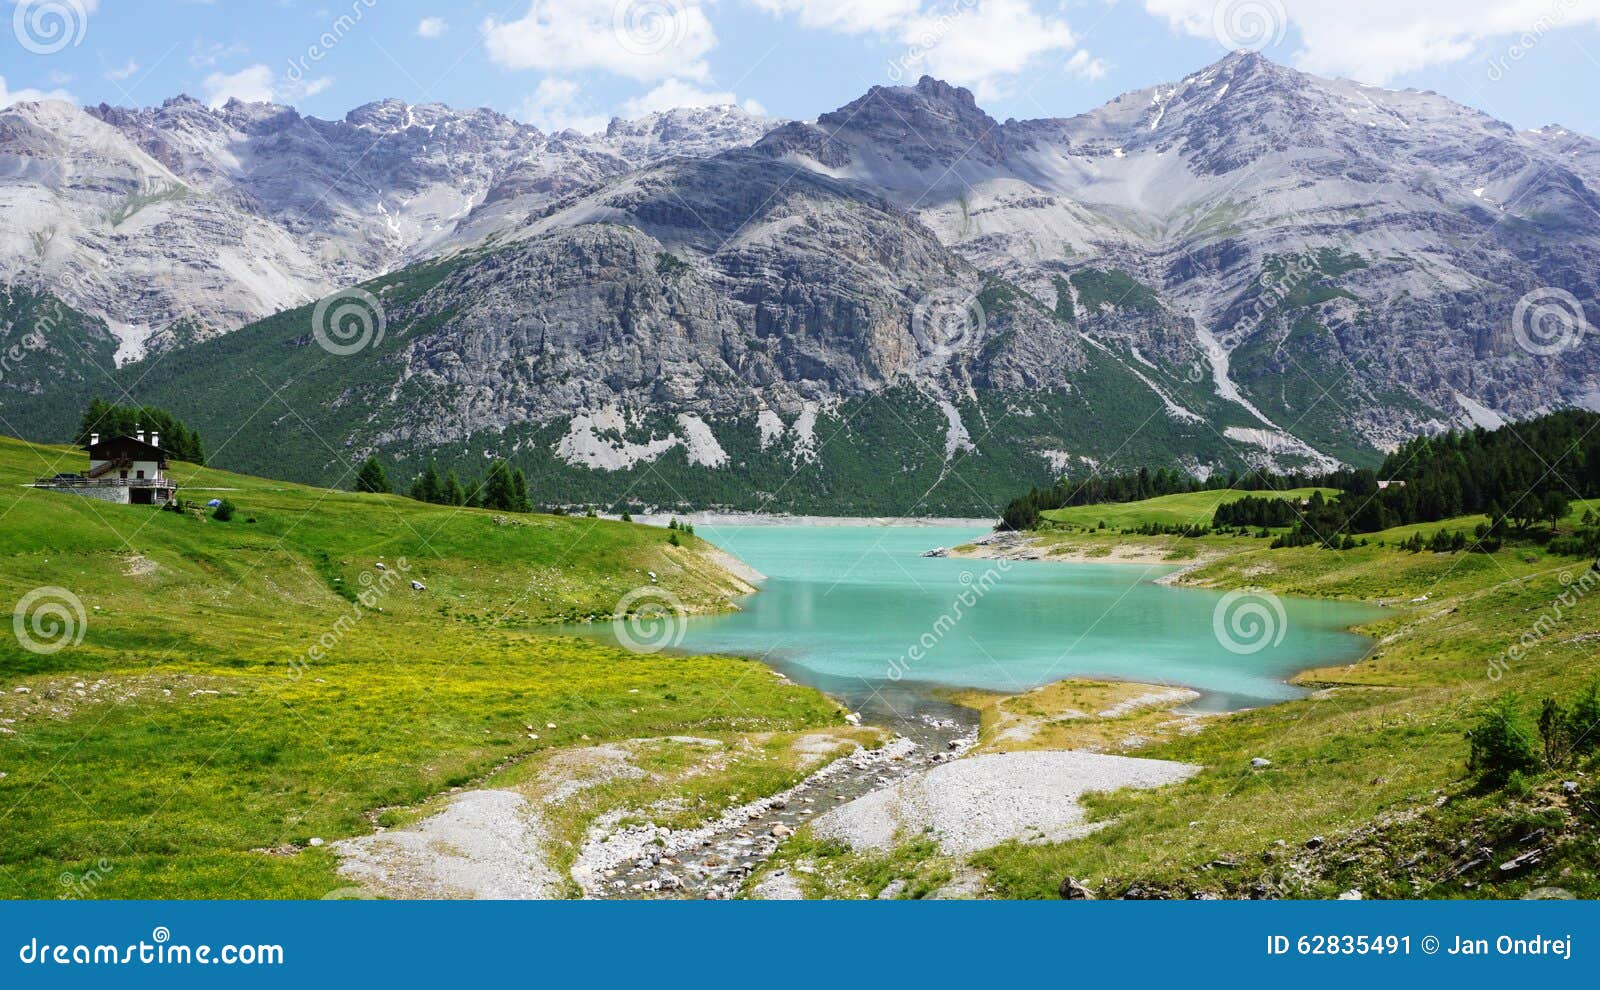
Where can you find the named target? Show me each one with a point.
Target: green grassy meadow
(1373, 760)
(233, 690)
(1186, 509)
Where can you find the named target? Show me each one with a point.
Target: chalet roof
(125, 446)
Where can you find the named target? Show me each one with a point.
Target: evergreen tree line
(111, 420)
(502, 487)
(1518, 475)
(1136, 486)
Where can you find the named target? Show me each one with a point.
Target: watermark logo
(946, 319)
(931, 32)
(1575, 588)
(348, 321)
(649, 620)
(1249, 620)
(48, 620)
(45, 27)
(1249, 25)
(81, 885)
(374, 588)
(340, 26)
(1529, 39)
(973, 590)
(1548, 321)
(649, 27)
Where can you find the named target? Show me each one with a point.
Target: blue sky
(577, 62)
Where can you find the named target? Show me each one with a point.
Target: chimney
(155, 439)
(94, 438)
(138, 431)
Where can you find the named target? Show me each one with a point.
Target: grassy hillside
(1373, 763)
(1187, 509)
(242, 687)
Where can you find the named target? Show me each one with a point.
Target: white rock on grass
(980, 802)
(485, 844)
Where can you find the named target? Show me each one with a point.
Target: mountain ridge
(1276, 269)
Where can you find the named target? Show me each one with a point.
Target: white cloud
(117, 73)
(307, 88)
(984, 46)
(10, 96)
(257, 84)
(432, 27)
(1374, 40)
(209, 54)
(675, 93)
(646, 40)
(252, 85)
(558, 105)
(1086, 66)
(846, 16)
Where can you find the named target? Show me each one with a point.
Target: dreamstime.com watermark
(374, 588)
(649, 27)
(1577, 588)
(328, 40)
(44, 27)
(934, 30)
(1548, 320)
(76, 886)
(973, 591)
(649, 619)
(1248, 25)
(348, 321)
(37, 337)
(946, 320)
(48, 620)
(159, 951)
(1249, 620)
(1528, 40)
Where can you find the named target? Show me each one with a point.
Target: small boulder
(1073, 889)
(1260, 762)
(781, 831)
(1315, 842)
(1350, 895)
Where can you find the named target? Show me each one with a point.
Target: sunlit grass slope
(234, 689)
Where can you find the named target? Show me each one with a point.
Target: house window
(124, 475)
(140, 475)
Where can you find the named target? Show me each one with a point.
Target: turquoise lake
(842, 607)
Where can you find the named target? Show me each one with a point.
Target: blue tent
(214, 503)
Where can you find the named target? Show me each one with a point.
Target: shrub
(223, 511)
(1502, 743)
(1584, 720)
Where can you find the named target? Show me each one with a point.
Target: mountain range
(904, 306)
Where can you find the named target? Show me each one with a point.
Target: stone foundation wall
(109, 494)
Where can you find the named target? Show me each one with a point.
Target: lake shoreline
(714, 519)
(1013, 545)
